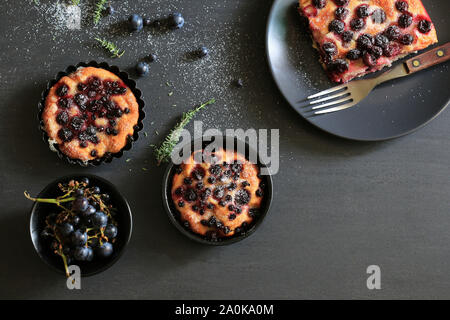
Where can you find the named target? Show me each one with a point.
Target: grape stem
(55, 201)
(63, 256)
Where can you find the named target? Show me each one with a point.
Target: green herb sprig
(99, 7)
(165, 149)
(111, 47)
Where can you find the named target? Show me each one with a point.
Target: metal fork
(349, 94)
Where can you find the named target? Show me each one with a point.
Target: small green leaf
(111, 47)
(99, 7)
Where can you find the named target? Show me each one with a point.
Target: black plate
(39, 212)
(174, 215)
(391, 110)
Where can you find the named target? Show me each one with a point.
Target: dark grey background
(338, 206)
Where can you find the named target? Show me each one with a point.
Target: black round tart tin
(39, 212)
(124, 76)
(174, 215)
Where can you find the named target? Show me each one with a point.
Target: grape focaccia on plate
(357, 37)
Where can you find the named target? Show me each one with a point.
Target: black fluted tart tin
(174, 215)
(125, 77)
(39, 212)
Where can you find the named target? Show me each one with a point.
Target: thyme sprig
(111, 47)
(99, 7)
(164, 151)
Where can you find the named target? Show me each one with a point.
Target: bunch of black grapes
(84, 229)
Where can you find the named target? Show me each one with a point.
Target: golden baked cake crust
(90, 113)
(217, 199)
(357, 37)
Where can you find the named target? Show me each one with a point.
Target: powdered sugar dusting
(183, 81)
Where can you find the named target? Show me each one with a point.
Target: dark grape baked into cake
(356, 37)
(89, 114)
(220, 199)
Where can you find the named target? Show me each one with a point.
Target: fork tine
(339, 95)
(339, 108)
(324, 92)
(332, 103)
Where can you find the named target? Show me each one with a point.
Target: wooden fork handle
(429, 58)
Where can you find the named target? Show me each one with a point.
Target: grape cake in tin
(217, 199)
(91, 113)
(217, 196)
(357, 37)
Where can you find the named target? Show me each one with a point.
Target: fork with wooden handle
(349, 94)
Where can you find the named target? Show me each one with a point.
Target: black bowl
(39, 212)
(174, 215)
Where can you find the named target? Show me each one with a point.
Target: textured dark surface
(338, 206)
